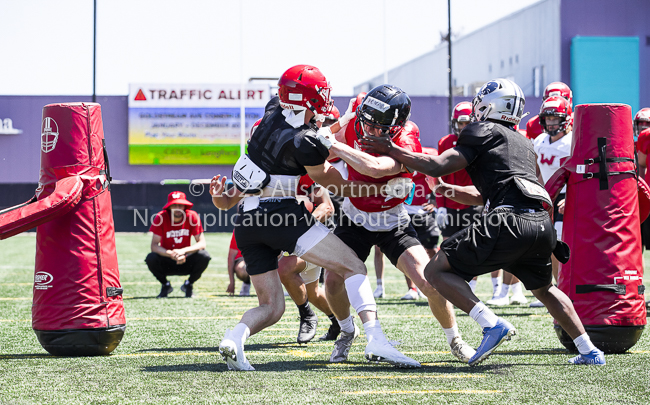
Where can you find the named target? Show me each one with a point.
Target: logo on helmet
(49, 134)
(489, 87)
(376, 104)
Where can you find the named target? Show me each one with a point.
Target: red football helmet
(558, 89)
(641, 121)
(462, 113)
(556, 106)
(331, 117)
(304, 86)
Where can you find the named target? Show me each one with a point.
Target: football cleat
(245, 290)
(411, 295)
(385, 352)
(332, 333)
(307, 329)
(188, 289)
(461, 350)
(593, 358)
(518, 299)
(499, 301)
(233, 355)
(492, 338)
(537, 304)
(165, 290)
(379, 292)
(343, 344)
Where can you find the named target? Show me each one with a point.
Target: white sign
(7, 127)
(197, 95)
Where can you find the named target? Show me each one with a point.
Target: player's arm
(448, 162)
(373, 166)
(200, 244)
(643, 163)
(156, 248)
(327, 176)
(323, 203)
(222, 198)
(232, 253)
(467, 195)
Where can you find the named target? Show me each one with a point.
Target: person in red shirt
(172, 251)
(533, 126)
(237, 267)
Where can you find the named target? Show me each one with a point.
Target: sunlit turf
(169, 352)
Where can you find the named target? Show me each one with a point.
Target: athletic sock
(505, 289)
(240, 333)
(583, 343)
(373, 331)
(451, 333)
(333, 319)
(516, 289)
(483, 315)
(380, 282)
(496, 285)
(347, 325)
(472, 285)
(305, 310)
(360, 293)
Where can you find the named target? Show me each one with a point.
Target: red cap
(177, 197)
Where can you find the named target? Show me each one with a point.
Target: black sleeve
(309, 151)
(472, 140)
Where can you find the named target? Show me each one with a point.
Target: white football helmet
(501, 100)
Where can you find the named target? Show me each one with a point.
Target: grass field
(169, 352)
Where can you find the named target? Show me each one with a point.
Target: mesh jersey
(459, 178)
(279, 148)
(550, 155)
(496, 155)
(533, 128)
(407, 138)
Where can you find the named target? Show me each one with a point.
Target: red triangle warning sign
(140, 96)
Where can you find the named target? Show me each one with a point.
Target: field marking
(171, 318)
(15, 298)
(640, 351)
(423, 392)
(393, 377)
(15, 320)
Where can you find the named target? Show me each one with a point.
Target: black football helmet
(385, 107)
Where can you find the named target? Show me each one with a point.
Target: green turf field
(169, 352)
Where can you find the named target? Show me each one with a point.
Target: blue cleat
(594, 358)
(492, 338)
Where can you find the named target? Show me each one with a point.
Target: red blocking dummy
(604, 276)
(77, 308)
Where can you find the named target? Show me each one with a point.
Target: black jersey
(496, 155)
(279, 148)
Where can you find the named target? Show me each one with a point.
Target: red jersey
(643, 146)
(459, 178)
(176, 236)
(533, 128)
(407, 138)
(233, 246)
(421, 187)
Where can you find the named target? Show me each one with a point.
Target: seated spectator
(172, 251)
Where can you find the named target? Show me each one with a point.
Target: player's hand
(429, 208)
(560, 206)
(441, 217)
(440, 188)
(377, 144)
(217, 185)
(180, 259)
(325, 136)
(230, 290)
(432, 182)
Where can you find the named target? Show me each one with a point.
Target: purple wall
(629, 18)
(20, 154)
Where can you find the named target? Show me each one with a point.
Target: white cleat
(379, 292)
(385, 352)
(461, 350)
(410, 295)
(245, 290)
(518, 299)
(234, 355)
(343, 344)
(536, 304)
(499, 301)
(420, 293)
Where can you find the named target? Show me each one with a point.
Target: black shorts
(392, 243)
(457, 220)
(426, 229)
(238, 260)
(265, 232)
(517, 242)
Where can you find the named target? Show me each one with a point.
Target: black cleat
(332, 333)
(188, 289)
(307, 329)
(165, 290)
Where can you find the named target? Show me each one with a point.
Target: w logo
(178, 240)
(176, 195)
(546, 161)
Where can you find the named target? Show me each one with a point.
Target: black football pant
(162, 266)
